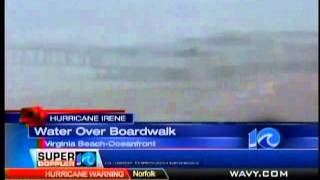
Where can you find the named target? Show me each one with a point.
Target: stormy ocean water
(178, 61)
(228, 77)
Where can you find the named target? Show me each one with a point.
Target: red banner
(67, 173)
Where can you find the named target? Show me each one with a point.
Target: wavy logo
(266, 138)
(86, 159)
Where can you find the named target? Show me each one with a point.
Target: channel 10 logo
(266, 138)
(86, 159)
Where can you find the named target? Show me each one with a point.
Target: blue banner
(170, 130)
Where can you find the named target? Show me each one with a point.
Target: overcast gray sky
(136, 21)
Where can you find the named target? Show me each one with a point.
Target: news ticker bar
(85, 173)
(160, 174)
(173, 158)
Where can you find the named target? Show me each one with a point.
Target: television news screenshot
(161, 89)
